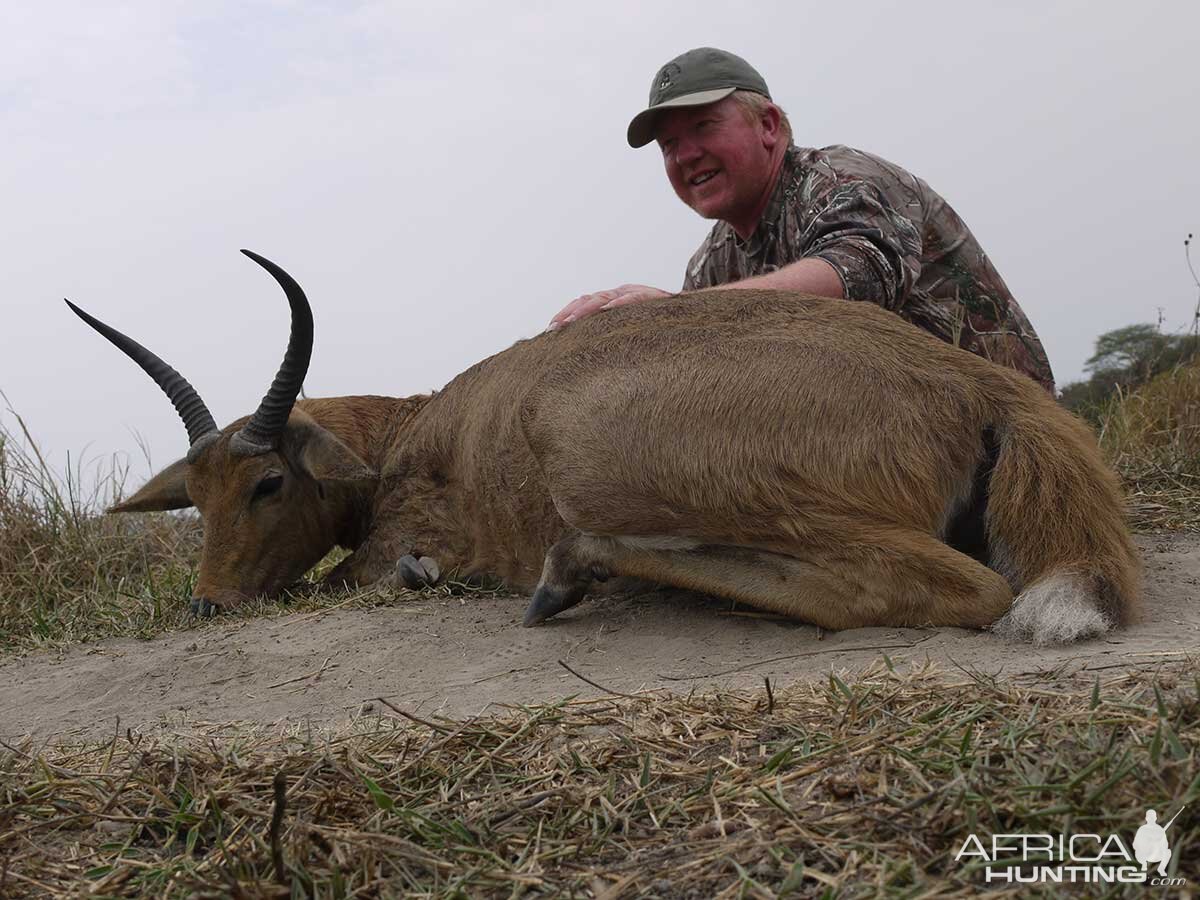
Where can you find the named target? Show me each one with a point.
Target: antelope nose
(202, 607)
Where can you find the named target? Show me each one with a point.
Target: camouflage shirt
(892, 240)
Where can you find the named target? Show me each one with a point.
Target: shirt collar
(769, 221)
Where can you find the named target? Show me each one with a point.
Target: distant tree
(1124, 359)
(1131, 349)
(1128, 357)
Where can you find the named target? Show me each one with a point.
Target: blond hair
(753, 105)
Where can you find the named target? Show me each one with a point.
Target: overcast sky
(441, 178)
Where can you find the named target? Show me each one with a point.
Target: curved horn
(261, 433)
(196, 417)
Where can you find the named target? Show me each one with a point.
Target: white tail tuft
(1056, 610)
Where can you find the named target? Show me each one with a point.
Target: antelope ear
(323, 456)
(166, 490)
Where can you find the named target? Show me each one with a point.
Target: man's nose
(687, 151)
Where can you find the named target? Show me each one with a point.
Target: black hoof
(432, 571)
(547, 602)
(417, 573)
(203, 608)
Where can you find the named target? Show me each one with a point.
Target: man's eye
(268, 486)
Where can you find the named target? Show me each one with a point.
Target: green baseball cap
(698, 77)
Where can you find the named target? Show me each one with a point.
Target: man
(1150, 843)
(835, 222)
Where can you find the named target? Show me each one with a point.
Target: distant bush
(1124, 360)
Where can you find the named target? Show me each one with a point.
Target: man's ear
(323, 456)
(771, 121)
(166, 490)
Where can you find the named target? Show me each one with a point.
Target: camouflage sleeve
(875, 250)
(699, 268)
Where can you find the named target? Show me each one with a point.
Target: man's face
(719, 163)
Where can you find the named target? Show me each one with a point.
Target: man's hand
(582, 307)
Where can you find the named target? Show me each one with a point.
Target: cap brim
(641, 129)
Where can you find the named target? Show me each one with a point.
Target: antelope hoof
(417, 573)
(429, 564)
(203, 609)
(550, 601)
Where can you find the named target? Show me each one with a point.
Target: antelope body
(813, 457)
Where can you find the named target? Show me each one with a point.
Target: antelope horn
(261, 433)
(196, 417)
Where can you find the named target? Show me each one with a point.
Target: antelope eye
(268, 486)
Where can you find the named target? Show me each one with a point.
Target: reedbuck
(817, 458)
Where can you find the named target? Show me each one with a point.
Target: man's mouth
(701, 177)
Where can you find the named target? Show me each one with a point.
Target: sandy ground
(458, 656)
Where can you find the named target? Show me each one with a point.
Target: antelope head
(266, 487)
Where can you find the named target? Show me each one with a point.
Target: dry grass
(68, 573)
(1152, 437)
(843, 789)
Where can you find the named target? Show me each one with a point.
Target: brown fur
(800, 454)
